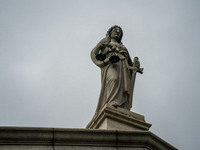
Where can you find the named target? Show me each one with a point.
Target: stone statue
(118, 72)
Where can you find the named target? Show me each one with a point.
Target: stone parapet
(14, 138)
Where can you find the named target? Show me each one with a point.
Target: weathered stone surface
(23, 138)
(24, 147)
(116, 118)
(36, 136)
(94, 148)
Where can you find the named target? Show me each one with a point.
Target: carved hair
(108, 34)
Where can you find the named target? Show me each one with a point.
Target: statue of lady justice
(117, 77)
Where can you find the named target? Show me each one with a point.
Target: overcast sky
(47, 78)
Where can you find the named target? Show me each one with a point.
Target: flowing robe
(115, 78)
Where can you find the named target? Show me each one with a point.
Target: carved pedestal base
(115, 118)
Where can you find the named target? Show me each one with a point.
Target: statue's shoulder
(104, 40)
(123, 47)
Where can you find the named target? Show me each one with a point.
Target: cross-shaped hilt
(136, 64)
(135, 68)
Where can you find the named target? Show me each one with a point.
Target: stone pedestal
(115, 118)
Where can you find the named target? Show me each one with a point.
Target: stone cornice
(81, 137)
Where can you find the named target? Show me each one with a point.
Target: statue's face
(116, 33)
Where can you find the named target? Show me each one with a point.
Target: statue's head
(115, 32)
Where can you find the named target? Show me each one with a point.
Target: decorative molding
(81, 137)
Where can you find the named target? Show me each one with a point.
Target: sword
(135, 68)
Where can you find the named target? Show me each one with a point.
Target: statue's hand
(106, 45)
(111, 47)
